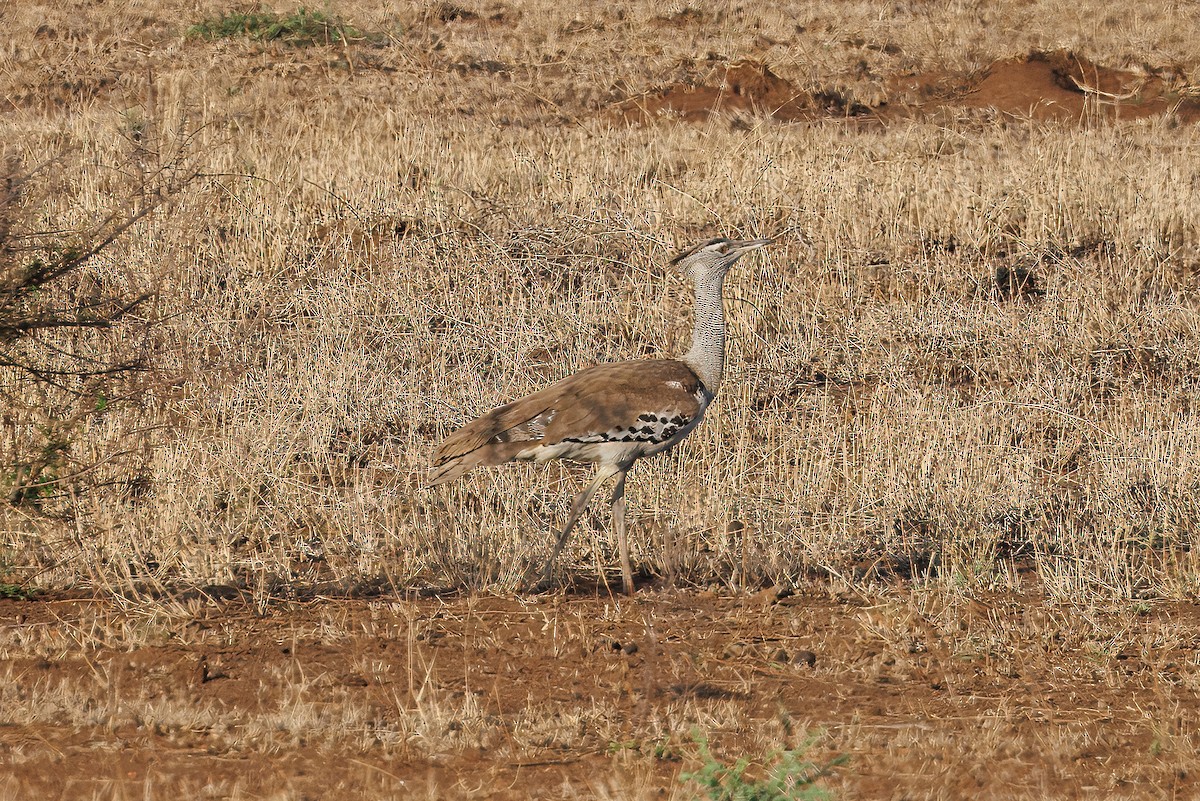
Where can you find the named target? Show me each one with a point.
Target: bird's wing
(630, 401)
(625, 401)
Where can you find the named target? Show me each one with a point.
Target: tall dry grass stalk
(372, 260)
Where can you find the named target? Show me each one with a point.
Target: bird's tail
(448, 471)
(494, 438)
(447, 467)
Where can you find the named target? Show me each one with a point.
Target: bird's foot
(544, 583)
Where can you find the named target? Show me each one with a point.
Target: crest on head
(707, 245)
(717, 254)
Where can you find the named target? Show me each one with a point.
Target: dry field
(939, 521)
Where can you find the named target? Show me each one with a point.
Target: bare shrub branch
(57, 317)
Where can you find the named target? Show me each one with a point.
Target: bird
(611, 414)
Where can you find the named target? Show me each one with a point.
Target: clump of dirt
(1064, 86)
(1018, 281)
(746, 86)
(1058, 86)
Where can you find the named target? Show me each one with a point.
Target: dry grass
(394, 233)
(361, 275)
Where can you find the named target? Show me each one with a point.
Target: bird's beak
(752, 244)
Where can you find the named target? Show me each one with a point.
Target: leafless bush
(73, 335)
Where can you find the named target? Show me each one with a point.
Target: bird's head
(712, 259)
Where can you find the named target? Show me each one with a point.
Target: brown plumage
(611, 414)
(608, 403)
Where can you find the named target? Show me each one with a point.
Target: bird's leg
(618, 517)
(577, 506)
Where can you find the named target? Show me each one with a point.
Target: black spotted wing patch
(650, 427)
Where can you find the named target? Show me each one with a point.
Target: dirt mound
(1059, 86)
(1064, 86)
(745, 86)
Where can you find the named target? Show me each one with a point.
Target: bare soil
(565, 697)
(1059, 86)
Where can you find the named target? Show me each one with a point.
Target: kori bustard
(611, 414)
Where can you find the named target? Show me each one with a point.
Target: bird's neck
(707, 356)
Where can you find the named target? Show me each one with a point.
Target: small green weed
(302, 27)
(36, 477)
(659, 749)
(791, 777)
(15, 592)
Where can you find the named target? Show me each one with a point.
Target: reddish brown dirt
(1058, 86)
(746, 86)
(559, 697)
(1063, 86)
